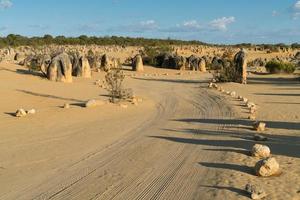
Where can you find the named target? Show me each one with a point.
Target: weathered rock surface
(261, 151)
(256, 192)
(267, 167)
(60, 69)
(20, 113)
(138, 64)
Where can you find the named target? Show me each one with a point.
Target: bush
(280, 67)
(151, 54)
(114, 85)
(228, 73)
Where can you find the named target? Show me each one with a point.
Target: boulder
(261, 151)
(20, 113)
(60, 69)
(138, 64)
(256, 192)
(267, 167)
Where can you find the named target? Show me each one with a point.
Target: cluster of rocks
(22, 113)
(173, 61)
(267, 166)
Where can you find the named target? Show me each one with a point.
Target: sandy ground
(183, 141)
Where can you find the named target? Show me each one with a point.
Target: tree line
(13, 40)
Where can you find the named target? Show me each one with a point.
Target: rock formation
(138, 64)
(60, 68)
(240, 60)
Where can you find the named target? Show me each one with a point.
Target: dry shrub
(114, 85)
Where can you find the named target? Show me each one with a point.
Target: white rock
(261, 151)
(93, 103)
(31, 111)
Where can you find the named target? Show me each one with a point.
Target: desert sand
(184, 141)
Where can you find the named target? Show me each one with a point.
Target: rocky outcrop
(60, 69)
(240, 60)
(81, 67)
(138, 64)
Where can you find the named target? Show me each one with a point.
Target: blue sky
(214, 21)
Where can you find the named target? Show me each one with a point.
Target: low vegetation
(228, 72)
(114, 85)
(280, 67)
(151, 54)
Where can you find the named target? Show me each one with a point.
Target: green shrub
(280, 67)
(151, 53)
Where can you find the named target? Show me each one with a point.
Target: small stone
(267, 167)
(210, 85)
(260, 138)
(233, 94)
(20, 113)
(228, 92)
(66, 106)
(259, 126)
(245, 100)
(255, 191)
(261, 151)
(31, 111)
(240, 98)
(93, 103)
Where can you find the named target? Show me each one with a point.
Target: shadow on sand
(50, 96)
(241, 142)
(270, 124)
(231, 189)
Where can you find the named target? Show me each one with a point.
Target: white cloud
(221, 23)
(186, 26)
(193, 24)
(4, 4)
(143, 26)
(148, 25)
(296, 10)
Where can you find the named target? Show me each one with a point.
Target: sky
(212, 21)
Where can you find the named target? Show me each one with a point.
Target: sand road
(183, 141)
(150, 151)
